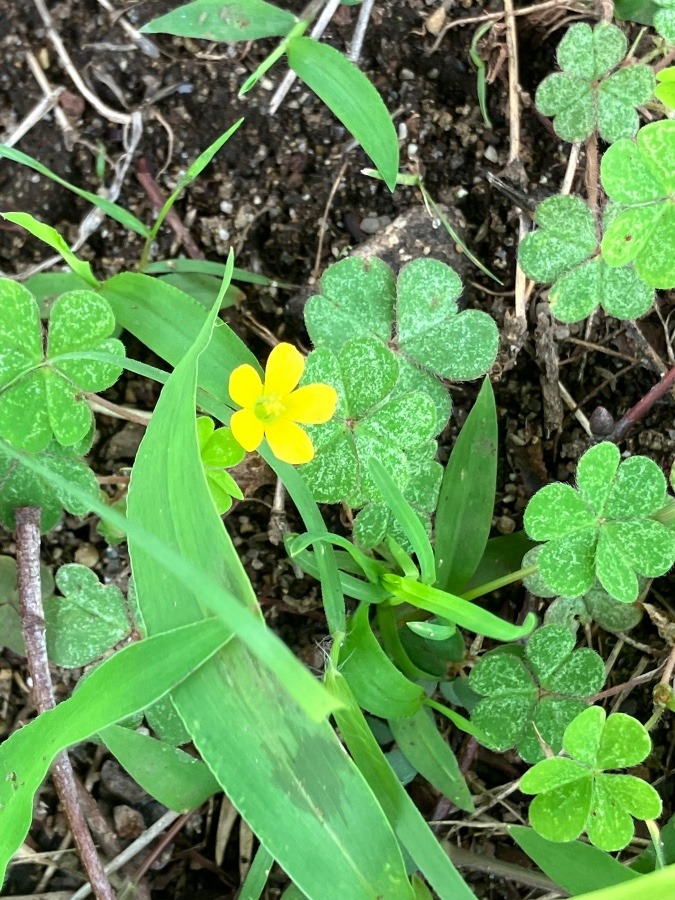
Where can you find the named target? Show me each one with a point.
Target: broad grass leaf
(575, 866)
(283, 768)
(224, 20)
(352, 98)
(466, 501)
(110, 693)
(168, 774)
(420, 741)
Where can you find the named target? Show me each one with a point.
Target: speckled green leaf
(646, 545)
(616, 799)
(580, 99)
(502, 719)
(596, 471)
(551, 717)
(555, 511)
(641, 175)
(560, 668)
(575, 795)
(664, 22)
(369, 372)
(620, 292)
(371, 525)
(41, 395)
(413, 378)
(624, 742)
(565, 237)
(589, 53)
(561, 814)
(20, 486)
(567, 564)
(594, 606)
(639, 489)
(357, 298)
(87, 620)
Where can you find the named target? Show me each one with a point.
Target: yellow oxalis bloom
(273, 410)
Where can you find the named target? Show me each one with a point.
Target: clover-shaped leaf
(418, 317)
(584, 96)
(575, 794)
(219, 450)
(538, 694)
(604, 528)
(640, 177)
(560, 251)
(664, 19)
(87, 620)
(10, 618)
(376, 520)
(370, 421)
(665, 89)
(41, 392)
(21, 486)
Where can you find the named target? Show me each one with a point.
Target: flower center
(269, 409)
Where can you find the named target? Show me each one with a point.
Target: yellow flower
(273, 409)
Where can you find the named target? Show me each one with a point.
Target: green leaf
(542, 689)
(419, 739)
(664, 21)
(166, 723)
(376, 684)
(620, 292)
(575, 795)
(351, 98)
(581, 99)
(53, 239)
(639, 175)
(10, 619)
(641, 11)
(224, 20)
(565, 237)
(49, 385)
(173, 777)
(596, 605)
(218, 449)
(87, 620)
(21, 486)
(576, 867)
(110, 693)
(665, 89)
(111, 209)
(466, 501)
(411, 830)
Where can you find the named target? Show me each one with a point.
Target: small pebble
(491, 154)
(370, 225)
(87, 555)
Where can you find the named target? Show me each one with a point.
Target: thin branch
(360, 30)
(33, 626)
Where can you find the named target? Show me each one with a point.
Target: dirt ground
(287, 194)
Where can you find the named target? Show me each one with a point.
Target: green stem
(386, 622)
(654, 718)
(496, 583)
(666, 515)
(655, 835)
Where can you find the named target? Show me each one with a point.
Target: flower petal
(312, 404)
(245, 385)
(247, 429)
(284, 370)
(289, 442)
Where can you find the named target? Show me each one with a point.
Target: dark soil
(265, 195)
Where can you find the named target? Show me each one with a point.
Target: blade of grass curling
(140, 305)
(284, 771)
(351, 98)
(407, 822)
(466, 499)
(111, 692)
(53, 239)
(575, 866)
(407, 519)
(109, 208)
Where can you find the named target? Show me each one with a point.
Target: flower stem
(496, 583)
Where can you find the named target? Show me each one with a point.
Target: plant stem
(655, 835)
(490, 586)
(666, 515)
(642, 407)
(33, 626)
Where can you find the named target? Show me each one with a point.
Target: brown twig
(627, 685)
(642, 407)
(157, 198)
(33, 628)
